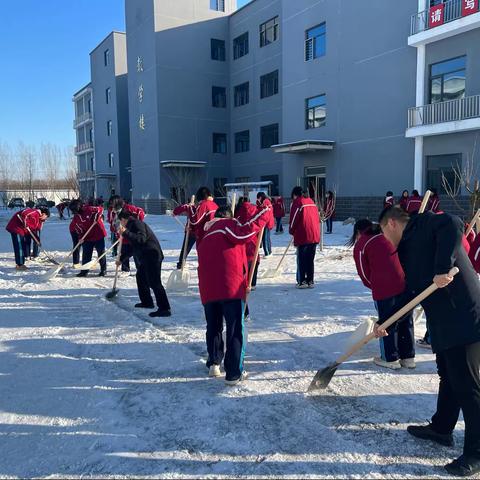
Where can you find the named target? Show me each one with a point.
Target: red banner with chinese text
(436, 15)
(469, 7)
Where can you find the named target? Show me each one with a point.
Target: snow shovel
(234, 201)
(93, 263)
(273, 272)
(114, 292)
(426, 199)
(252, 270)
(56, 270)
(50, 257)
(472, 224)
(325, 375)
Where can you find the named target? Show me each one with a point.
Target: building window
(274, 187)
(269, 32)
(92, 164)
(241, 94)
(269, 135)
(106, 57)
(110, 160)
(219, 186)
(443, 165)
(315, 42)
(447, 80)
(242, 179)
(315, 112)
(108, 95)
(90, 135)
(89, 105)
(269, 84)
(220, 143)
(242, 141)
(218, 5)
(217, 49)
(219, 97)
(109, 128)
(240, 46)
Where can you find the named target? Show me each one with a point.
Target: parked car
(41, 202)
(30, 203)
(16, 203)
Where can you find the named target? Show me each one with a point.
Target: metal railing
(82, 118)
(86, 175)
(84, 147)
(450, 111)
(420, 21)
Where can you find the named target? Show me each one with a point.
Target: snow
(93, 388)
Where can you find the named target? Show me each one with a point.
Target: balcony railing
(452, 10)
(81, 119)
(86, 175)
(84, 147)
(442, 112)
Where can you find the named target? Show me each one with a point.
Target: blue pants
(29, 243)
(87, 253)
(267, 242)
(329, 223)
(19, 248)
(232, 311)
(400, 343)
(279, 224)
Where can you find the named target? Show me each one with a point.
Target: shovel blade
(178, 281)
(323, 377)
(87, 266)
(270, 273)
(51, 274)
(112, 294)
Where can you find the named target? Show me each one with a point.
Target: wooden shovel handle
(254, 264)
(117, 267)
(284, 255)
(472, 223)
(394, 318)
(426, 199)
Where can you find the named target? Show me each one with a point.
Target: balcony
(444, 21)
(81, 119)
(453, 116)
(86, 175)
(84, 147)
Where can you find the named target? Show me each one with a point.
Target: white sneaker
(232, 383)
(302, 286)
(214, 371)
(383, 363)
(408, 363)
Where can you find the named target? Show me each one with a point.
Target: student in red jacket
(305, 228)
(118, 205)
(389, 200)
(202, 213)
(279, 213)
(263, 202)
(414, 203)
(24, 222)
(434, 202)
(222, 277)
(329, 210)
(84, 217)
(74, 234)
(185, 210)
(61, 208)
(379, 269)
(474, 253)
(404, 199)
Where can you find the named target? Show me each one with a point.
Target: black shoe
(103, 273)
(463, 466)
(179, 266)
(426, 432)
(82, 274)
(161, 313)
(144, 305)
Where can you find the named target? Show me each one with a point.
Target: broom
(325, 375)
(273, 272)
(252, 270)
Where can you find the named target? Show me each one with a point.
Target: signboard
(436, 15)
(469, 7)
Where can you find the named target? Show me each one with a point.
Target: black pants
(329, 222)
(87, 252)
(190, 244)
(305, 262)
(232, 311)
(19, 248)
(126, 253)
(31, 246)
(400, 342)
(149, 276)
(113, 239)
(459, 389)
(279, 225)
(76, 253)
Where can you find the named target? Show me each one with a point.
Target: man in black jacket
(148, 257)
(429, 246)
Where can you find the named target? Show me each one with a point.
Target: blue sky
(44, 53)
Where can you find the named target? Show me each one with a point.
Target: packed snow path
(92, 388)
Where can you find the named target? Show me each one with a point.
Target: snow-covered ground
(93, 388)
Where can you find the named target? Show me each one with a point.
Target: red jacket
(475, 254)
(414, 204)
(434, 204)
(304, 222)
(245, 213)
(199, 216)
(222, 260)
(187, 210)
(279, 208)
(403, 202)
(388, 202)
(378, 266)
(135, 212)
(269, 216)
(329, 207)
(83, 220)
(21, 221)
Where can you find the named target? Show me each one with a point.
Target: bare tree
(50, 163)
(465, 177)
(27, 159)
(184, 181)
(70, 172)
